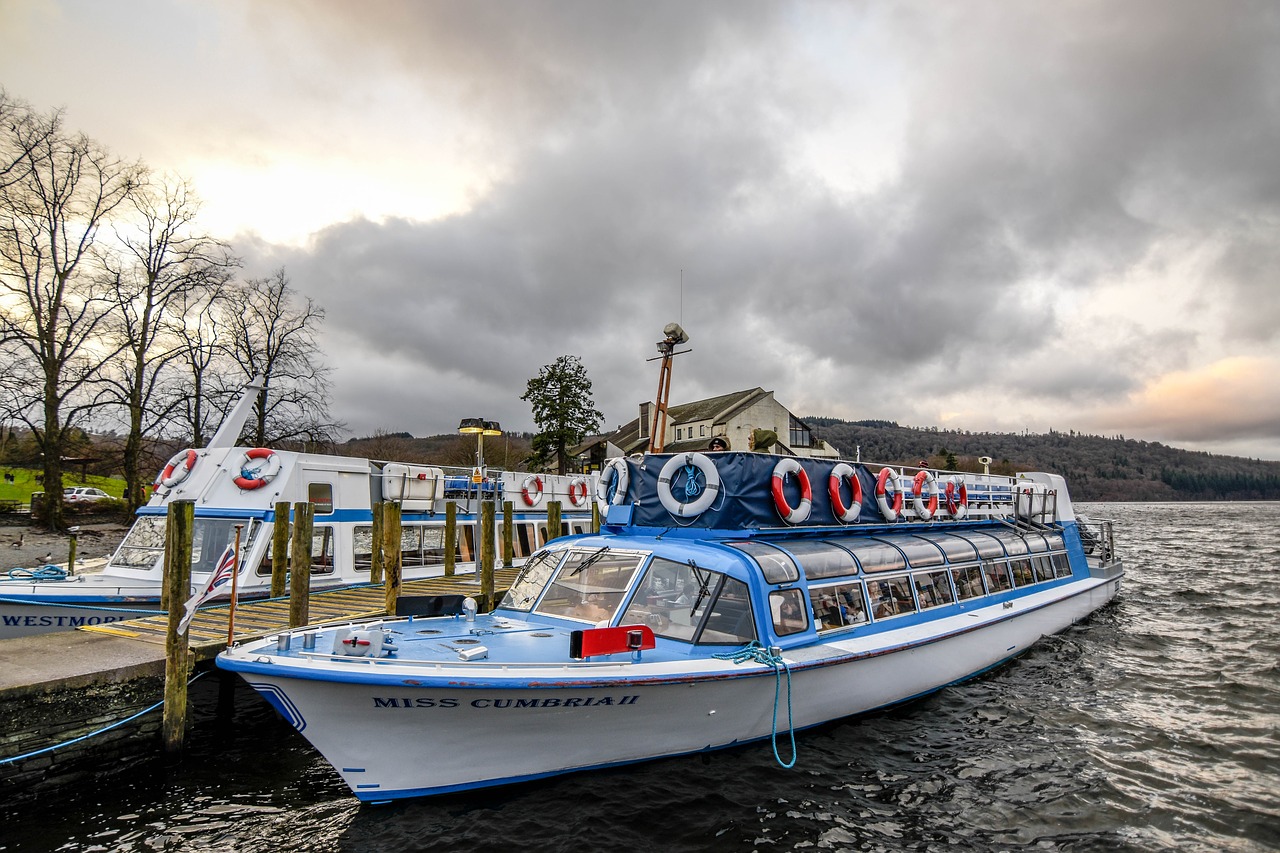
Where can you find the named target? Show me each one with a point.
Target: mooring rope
(44, 573)
(753, 652)
(102, 730)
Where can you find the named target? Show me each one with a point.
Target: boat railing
(1098, 539)
(992, 496)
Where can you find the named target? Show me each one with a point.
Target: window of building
(800, 435)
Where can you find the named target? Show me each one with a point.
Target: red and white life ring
(957, 497)
(710, 486)
(614, 473)
(177, 469)
(781, 471)
(578, 492)
(886, 483)
(258, 467)
(531, 491)
(841, 472)
(925, 509)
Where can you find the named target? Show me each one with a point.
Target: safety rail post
(179, 528)
(553, 520)
(392, 558)
(300, 563)
(484, 571)
(450, 538)
(280, 550)
(71, 550)
(376, 560)
(508, 535)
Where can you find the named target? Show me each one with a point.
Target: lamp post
(480, 428)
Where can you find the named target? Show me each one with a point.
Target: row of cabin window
(842, 605)
(421, 545)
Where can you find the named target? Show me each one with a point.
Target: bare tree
(52, 303)
(163, 264)
(276, 337)
(206, 382)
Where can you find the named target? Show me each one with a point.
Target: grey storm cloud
(1042, 146)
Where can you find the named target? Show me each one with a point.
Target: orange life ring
(957, 497)
(256, 476)
(925, 510)
(533, 481)
(578, 492)
(177, 468)
(841, 472)
(789, 514)
(887, 482)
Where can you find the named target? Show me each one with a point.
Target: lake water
(1154, 725)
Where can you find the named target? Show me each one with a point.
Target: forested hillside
(1096, 468)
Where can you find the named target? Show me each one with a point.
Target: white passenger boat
(730, 597)
(238, 487)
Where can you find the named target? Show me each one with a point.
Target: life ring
(256, 476)
(957, 496)
(886, 482)
(925, 509)
(616, 474)
(532, 498)
(790, 515)
(177, 469)
(711, 488)
(578, 492)
(845, 514)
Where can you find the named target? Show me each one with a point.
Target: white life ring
(887, 482)
(845, 514)
(578, 492)
(531, 491)
(710, 489)
(925, 509)
(258, 467)
(177, 469)
(790, 515)
(957, 497)
(615, 473)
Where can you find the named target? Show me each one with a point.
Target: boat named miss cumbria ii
(729, 597)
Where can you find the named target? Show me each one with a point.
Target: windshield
(143, 547)
(533, 577)
(590, 584)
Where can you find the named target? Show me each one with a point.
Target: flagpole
(235, 573)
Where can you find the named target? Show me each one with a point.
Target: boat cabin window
(533, 576)
(933, 589)
(143, 547)
(920, 554)
(839, 606)
(210, 537)
(957, 549)
(676, 599)
(774, 563)
(790, 615)
(968, 581)
(320, 495)
(876, 556)
(996, 573)
(590, 585)
(322, 550)
(891, 597)
(823, 560)
(986, 545)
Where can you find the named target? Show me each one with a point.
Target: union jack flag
(221, 575)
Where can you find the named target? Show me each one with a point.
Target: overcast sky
(978, 215)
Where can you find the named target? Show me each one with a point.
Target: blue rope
(691, 489)
(102, 730)
(45, 573)
(753, 652)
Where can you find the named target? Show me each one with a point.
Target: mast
(667, 351)
(229, 431)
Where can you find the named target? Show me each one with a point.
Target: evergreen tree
(563, 410)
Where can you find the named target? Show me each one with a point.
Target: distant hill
(1096, 468)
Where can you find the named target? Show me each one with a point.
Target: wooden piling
(375, 545)
(392, 557)
(280, 550)
(485, 569)
(450, 538)
(71, 553)
(508, 535)
(554, 530)
(300, 564)
(177, 581)
(595, 517)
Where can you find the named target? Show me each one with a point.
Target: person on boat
(718, 444)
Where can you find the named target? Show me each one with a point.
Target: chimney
(646, 419)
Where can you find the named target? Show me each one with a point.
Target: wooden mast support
(666, 352)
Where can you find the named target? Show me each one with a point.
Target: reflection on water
(1152, 726)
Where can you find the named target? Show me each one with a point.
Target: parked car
(84, 494)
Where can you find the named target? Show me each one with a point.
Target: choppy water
(1155, 725)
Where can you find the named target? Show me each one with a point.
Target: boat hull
(392, 736)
